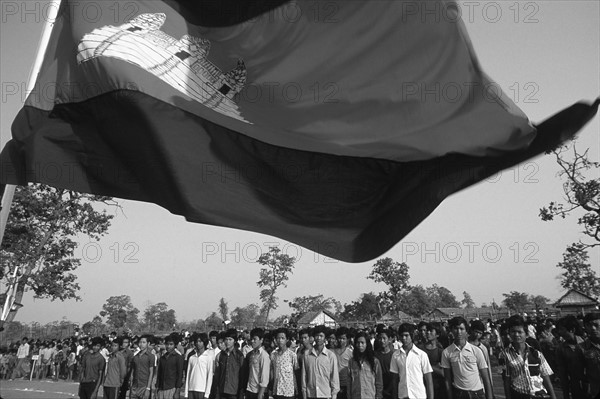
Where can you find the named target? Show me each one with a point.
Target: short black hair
(434, 325)
(231, 333)
(149, 337)
(341, 331)
(407, 327)
(569, 322)
(257, 332)
(200, 336)
(386, 331)
(477, 325)
(516, 321)
(306, 331)
(457, 321)
(320, 329)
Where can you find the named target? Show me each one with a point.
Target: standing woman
(365, 379)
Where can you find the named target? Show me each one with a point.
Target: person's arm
(159, 372)
(378, 380)
(448, 382)
(296, 366)
(122, 369)
(334, 377)
(546, 371)
(487, 386)
(272, 369)
(506, 382)
(150, 376)
(506, 378)
(81, 370)
(265, 368)
(99, 380)
(217, 377)
(209, 377)
(303, 378)
(561, 371)
(243, 374)
(395, 381)
(428, 379)
(349, 380)
(548, 386)
(445, 363)
(178, 376)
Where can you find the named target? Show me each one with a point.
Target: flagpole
(12, 291)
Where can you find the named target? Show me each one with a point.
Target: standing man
(116, 369)
(320, 371)
(22, 360)
(465, 369)
(169, 375)
(344, 354)
(591, 355)
(284, 364)
(569, 360)
(384, 354)
(142, 370)
(410, 368)
(92, 369)
(228, 373)
(200, 366)
(476, 332)
(306, 344)
(128, 355)
(434, 350)
(259, 366)
(526, 371)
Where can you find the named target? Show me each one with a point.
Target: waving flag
(336, 125)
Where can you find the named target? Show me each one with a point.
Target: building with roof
(317, 318)
(575, 302)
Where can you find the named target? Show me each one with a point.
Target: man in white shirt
(410, 368)
(259, 366)
(200, 367)
(22, 359)
(465, 369)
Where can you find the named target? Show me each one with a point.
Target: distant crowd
(452, 359)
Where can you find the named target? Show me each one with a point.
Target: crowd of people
(454, 359)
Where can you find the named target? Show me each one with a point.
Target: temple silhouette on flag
(182, 63)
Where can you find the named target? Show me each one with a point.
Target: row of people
(353, 369)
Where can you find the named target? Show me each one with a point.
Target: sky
(486, 240)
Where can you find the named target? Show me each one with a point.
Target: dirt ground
(47, 389)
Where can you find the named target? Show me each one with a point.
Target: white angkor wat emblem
(182, 63)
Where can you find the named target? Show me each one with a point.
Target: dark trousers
(86, 389)
(195, 395)
(342, 394)
(462, 394)
(250, 395)
(282, 397)
(124, 388)
(111, 392)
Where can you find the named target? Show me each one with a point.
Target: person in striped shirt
(526, 371)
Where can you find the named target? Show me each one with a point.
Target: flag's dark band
(136, 147)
